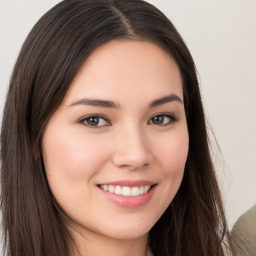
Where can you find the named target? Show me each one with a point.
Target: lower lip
(129, 201)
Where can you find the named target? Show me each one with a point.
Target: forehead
(127, 68)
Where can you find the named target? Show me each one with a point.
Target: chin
(130, 231)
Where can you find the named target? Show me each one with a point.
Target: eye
(163, 119)
(95, 121)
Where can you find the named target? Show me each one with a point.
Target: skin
(126, 144)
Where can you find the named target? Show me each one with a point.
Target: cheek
(70, 156)
(170, 159)
(70, 161)
(173, 155)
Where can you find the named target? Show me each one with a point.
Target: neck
(89, 243)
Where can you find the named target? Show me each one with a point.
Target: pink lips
(129, 201)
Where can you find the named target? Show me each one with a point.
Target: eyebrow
(112, 104)
(166, 99)
(96, 103)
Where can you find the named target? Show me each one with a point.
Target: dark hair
(55, 49)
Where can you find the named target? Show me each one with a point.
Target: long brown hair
(55, 49)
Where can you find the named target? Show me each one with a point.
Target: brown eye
(163, 119)
(158, 119)
(94, 121)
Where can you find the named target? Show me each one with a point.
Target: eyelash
(171, 119)
(86, 119)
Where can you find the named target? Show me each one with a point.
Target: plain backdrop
(221, 35)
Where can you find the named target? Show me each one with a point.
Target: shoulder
(243, 233)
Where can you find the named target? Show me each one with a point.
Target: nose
(132, 149)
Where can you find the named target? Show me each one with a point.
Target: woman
(104, 145)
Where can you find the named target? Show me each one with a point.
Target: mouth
(132, 191)
(128, 194)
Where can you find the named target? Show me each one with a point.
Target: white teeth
(135, 191)
(141, 190)
(111, 189)
(146, 188)
(105, 187)
(118, 190)
(126, 191)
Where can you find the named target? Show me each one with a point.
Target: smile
(125, 190)
(127, 193)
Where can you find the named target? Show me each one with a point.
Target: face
(115, 150)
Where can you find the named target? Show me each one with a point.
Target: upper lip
(130, 183)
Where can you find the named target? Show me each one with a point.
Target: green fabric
(243, 234)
